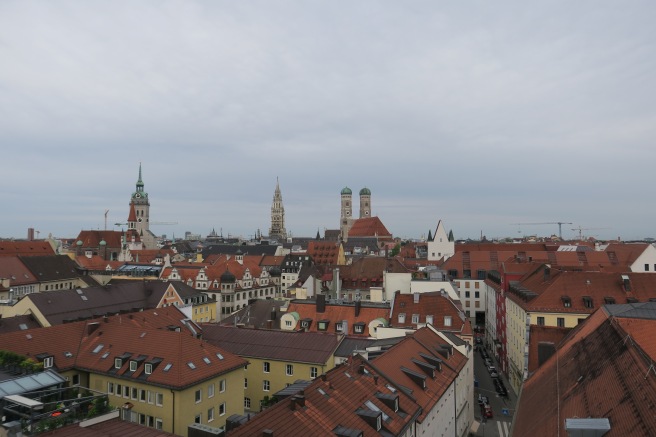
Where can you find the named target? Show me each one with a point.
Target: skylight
(29, 336)
(373, 407)
(168, 367)
(98, 348)
(105, 355)
(67, 354)
(219, 356)
(392, 389)
(207, 360)
(22, 326)
(191, 365)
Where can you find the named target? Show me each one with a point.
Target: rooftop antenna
(106, 212)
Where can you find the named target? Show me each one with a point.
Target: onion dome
(228, 277)
(346, 190)
(365, 192)
(103, 243)
(79, 243)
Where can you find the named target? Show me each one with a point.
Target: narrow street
(503, 408)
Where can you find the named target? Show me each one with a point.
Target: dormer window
(429, 319)
(322, 325)
(358, 328)
(402, 318)
(587, 302)
(415, 318)
(609, 300)
(339, 326)
(118, 363)
(148, 368)
(567, 302)
(133, 366)
(48, 362)
(447, 320)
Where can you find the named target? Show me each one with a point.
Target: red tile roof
(601, 370)
(428, 304)
(324, 252)
(12, 268)
(93, 346)
(332, 401)
(25, 248)
(369, 227)
(541, 337)
(405, 354)
(93, 238)
(337, 313)
(109, 428)
(575, 285)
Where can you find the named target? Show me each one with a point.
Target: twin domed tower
(346, 219)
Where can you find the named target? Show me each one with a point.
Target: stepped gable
(329, 406)
(25, 248)
(601, 370)
(307, 347)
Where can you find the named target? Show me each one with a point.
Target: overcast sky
(480, 114)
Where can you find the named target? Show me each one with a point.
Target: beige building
(276, 359)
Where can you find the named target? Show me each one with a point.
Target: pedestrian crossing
(503, 428)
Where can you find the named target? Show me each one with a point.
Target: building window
(159, 424)
(288, 323)
(561, 322)
(159, 399)
(266, 385)
(313, 372)
(198, 396)
(567, 302)
(198, 419)
(289, 370)
(133, 366)
(466, 294)
(151, 397)
(135, 393)
(142, 395)
(429, 319)
(210, 414)
(126, 391)
(402, 318)
(210, 391)
(646, 267)
(477, 295)
(110, 388)
(245, 382)
(267, 367)
(587, 302)
(540, 321)
(247, 403)
(148, 368)
(415, 318)
(48, 362)
(222, 386)
(117, 363)
(447, 320)
(222, 409)
(322, 325)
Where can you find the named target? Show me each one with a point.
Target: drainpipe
(173, 415)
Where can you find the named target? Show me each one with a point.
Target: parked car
(482, 400)
(494, 374)
(486, 411)
(491, 369)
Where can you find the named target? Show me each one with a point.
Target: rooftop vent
(587, 427)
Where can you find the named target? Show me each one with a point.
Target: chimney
(321, 303)
(274, 314)
(267, 433)
(338, 283)
(547, 273)
(358, 304)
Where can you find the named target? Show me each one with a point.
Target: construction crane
(580, 229)
(560, 226)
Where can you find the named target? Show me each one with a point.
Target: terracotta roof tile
(337, 313)
(369, 227)
(25, 248)
(332, 401)
(427, 304)
(600, 370)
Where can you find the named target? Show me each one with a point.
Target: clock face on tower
(137, 195)
(139, 219)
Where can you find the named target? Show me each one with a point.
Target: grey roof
(638, 310)
(351, 344)
(68, 305)
(300, 347)
(51, 268)
(257, 314)
(33, 382)
(292, 389)
(18, 323)
(454, 338)
(231, 249)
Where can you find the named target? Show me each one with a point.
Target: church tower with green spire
(141, 207)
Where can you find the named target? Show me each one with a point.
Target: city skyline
(478, 116)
